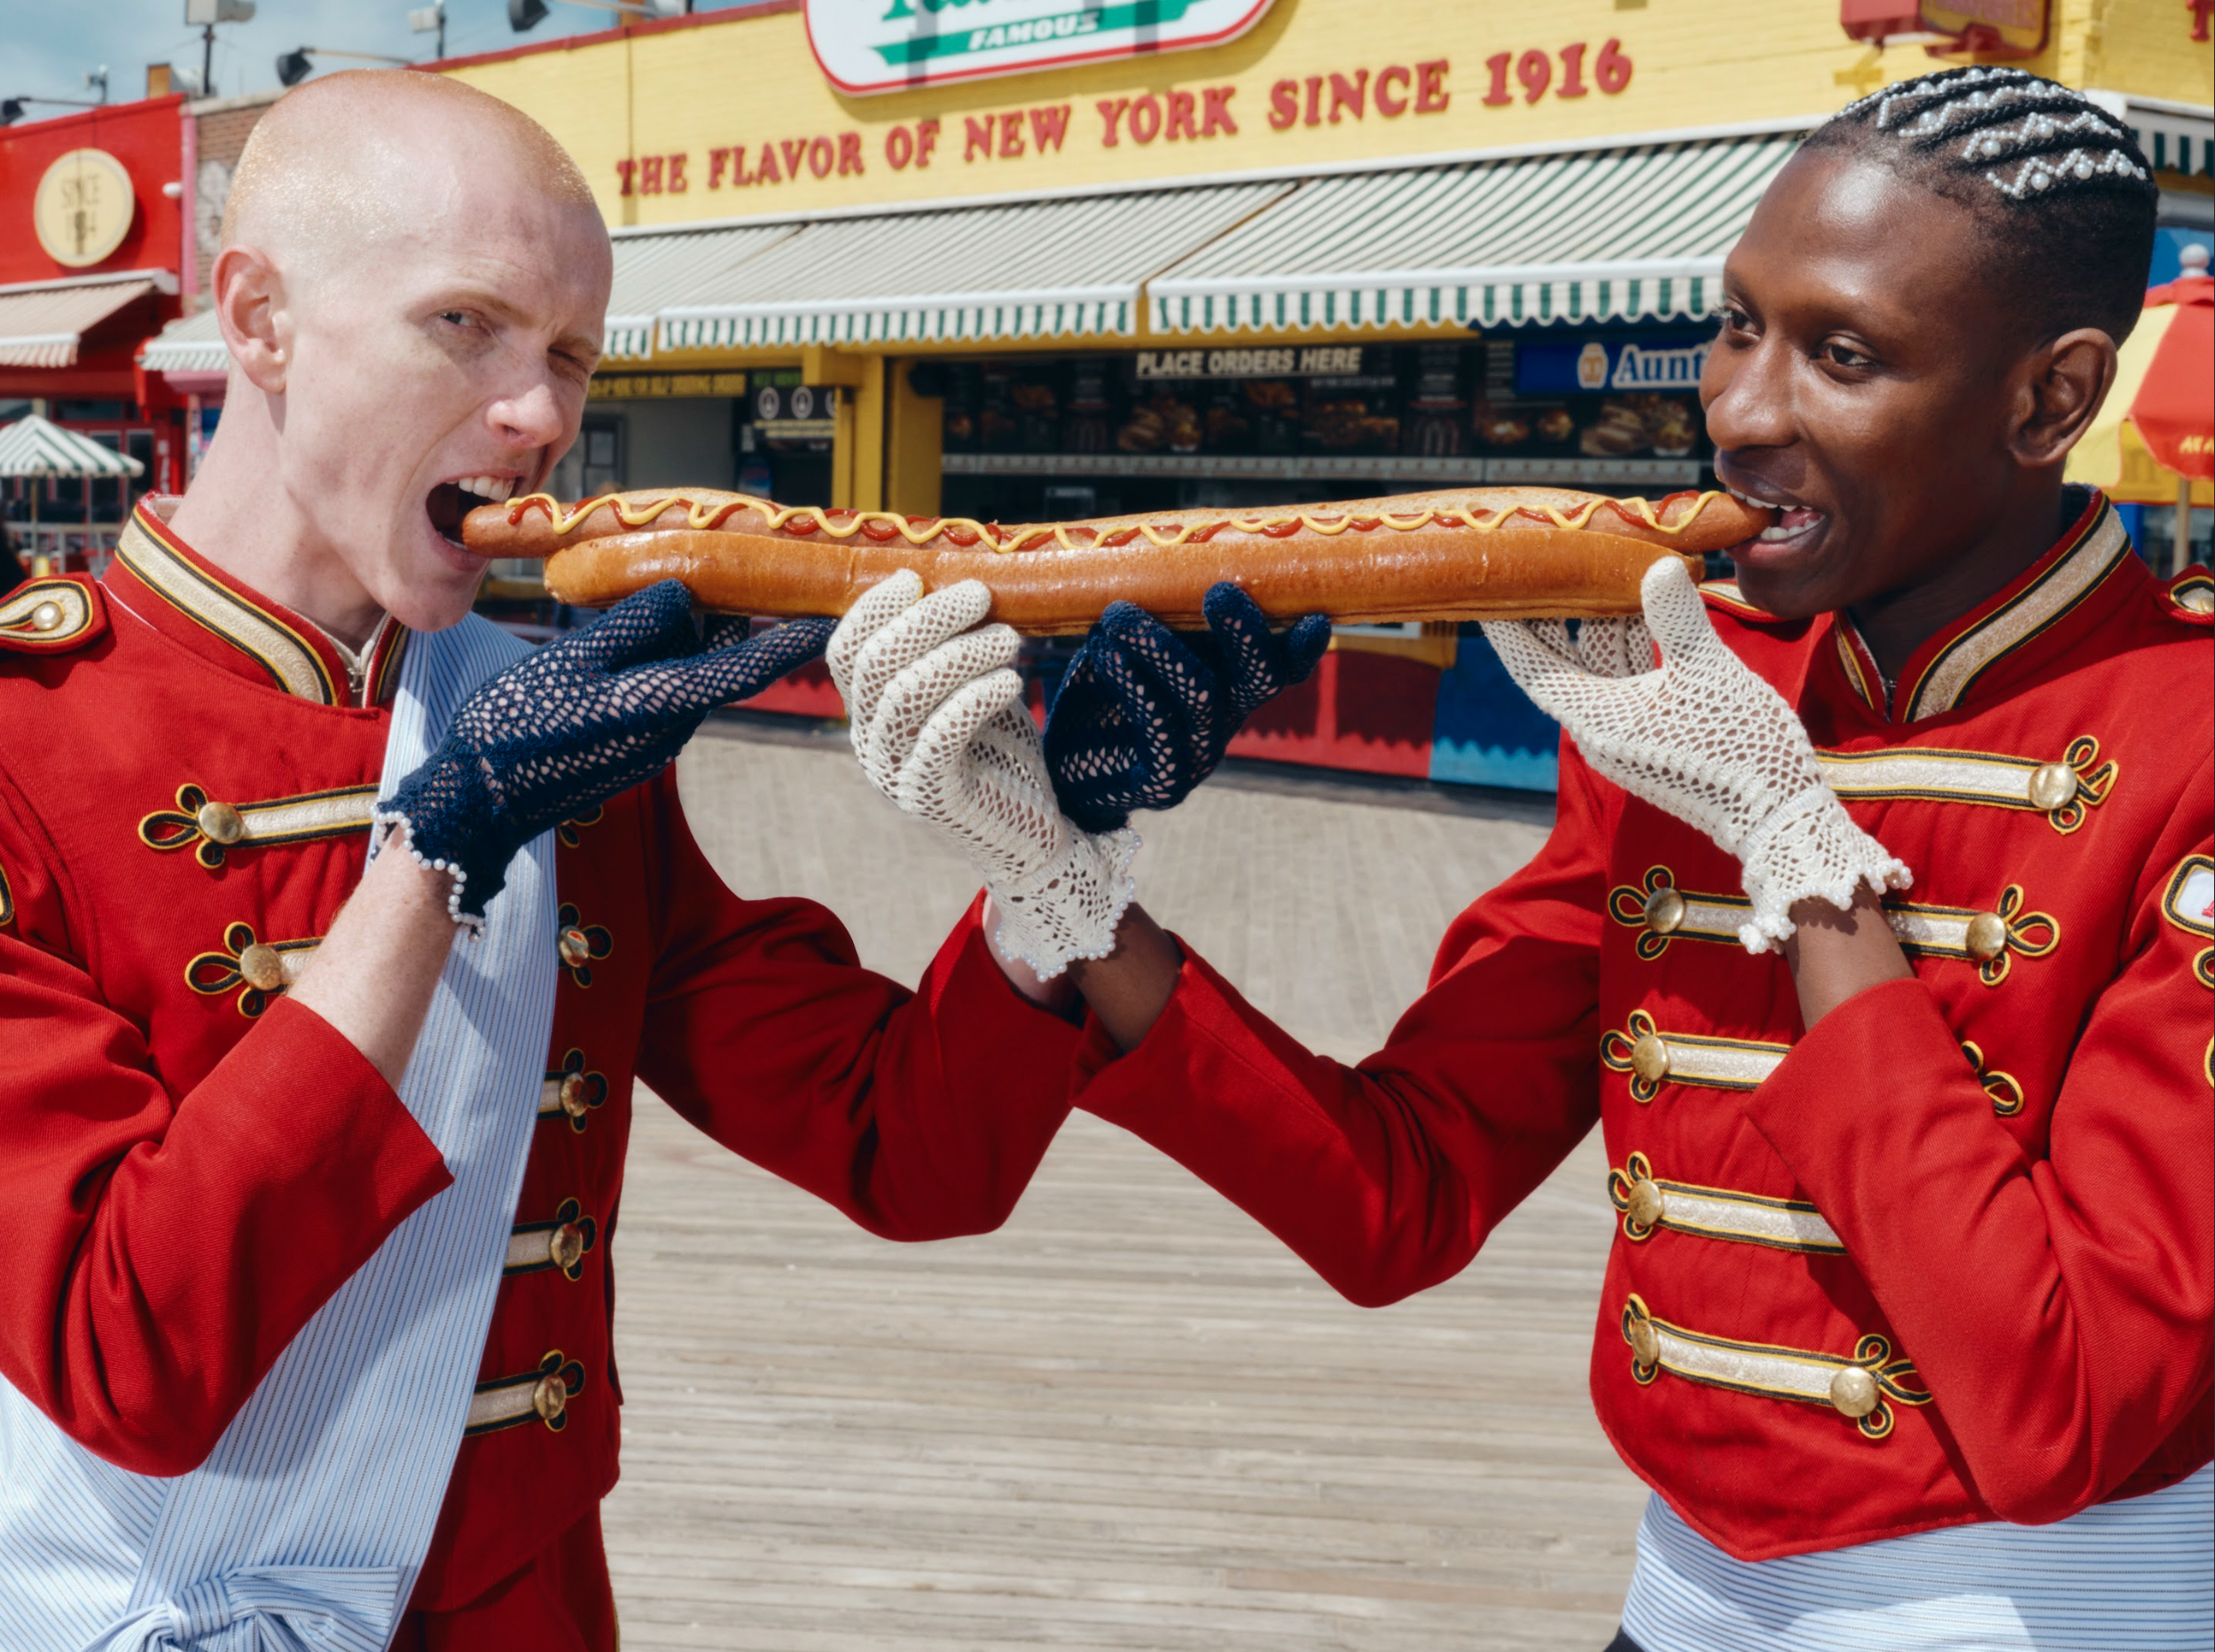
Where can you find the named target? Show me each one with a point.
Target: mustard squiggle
(701, 517)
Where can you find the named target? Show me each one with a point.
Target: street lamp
(12, 108)
(529, 14)
(293, 67)
(204, 15)
(428, 20)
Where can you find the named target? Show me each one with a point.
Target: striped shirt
(2127, 1576)
(309, 1520)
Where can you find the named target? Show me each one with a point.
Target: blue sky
(46, 46)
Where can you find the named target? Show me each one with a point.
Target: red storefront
(94, 205)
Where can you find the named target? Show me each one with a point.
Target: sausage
(1458, 554)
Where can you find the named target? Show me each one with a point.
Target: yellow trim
(2175, 912)
(2071, 577)
(75, 615)
(1936, 774)
(307, 818)
(1923, 930)
(1769, 1370)
(1851, 661)
(1697, 1059)
(213, 974)
(291, 660)
(1720, 1213)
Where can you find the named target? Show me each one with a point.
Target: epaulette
(53, 616)
(2190, 596)
(1725, 595)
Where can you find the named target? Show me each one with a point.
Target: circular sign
(84, 208)
(767, 403)
(803, 402)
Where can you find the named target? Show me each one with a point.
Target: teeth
(1748, 498)
(1776, 533)
(496, 489)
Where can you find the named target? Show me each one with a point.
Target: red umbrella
(2174, 408)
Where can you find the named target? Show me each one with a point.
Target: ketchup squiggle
(806, 520)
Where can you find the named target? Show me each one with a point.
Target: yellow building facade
(1335, 174)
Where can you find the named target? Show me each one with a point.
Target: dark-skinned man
(1873, 932)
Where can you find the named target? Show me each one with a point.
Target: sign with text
(897, 45)
(1593, 366)
(1316, 361)
(797, 412)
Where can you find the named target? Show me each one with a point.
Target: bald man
(250, 1079)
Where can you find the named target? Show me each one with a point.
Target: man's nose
(529, 419)
(1749, 395)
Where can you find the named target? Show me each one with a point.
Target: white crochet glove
(939, 722)
(1704, 738)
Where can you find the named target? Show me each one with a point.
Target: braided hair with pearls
(2065, 197)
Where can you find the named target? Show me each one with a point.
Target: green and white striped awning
(1038, 268)
(2176, 137)
(1606, 235)
(33, 447)
(654, 271)
(191, 344)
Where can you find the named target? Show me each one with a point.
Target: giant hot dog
(1464, 554)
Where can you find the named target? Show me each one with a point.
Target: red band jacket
(1946, 1257)
(193, 1164)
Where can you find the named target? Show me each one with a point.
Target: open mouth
(450, 501)
(1796, 525)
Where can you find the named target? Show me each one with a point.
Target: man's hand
(1698, 735)
(939, 725)
(1143, 714)
(573, 724)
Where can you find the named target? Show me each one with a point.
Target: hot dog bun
(1466, 554)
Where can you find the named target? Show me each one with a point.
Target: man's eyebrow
(490, 300)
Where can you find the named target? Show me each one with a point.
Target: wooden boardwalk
(1130, 1419)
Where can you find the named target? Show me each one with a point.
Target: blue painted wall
(1487, 731)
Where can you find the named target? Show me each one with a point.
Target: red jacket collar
(163, 581)
(2043, 612)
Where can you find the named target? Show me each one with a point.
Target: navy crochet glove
(579, 721)
(1144, 714)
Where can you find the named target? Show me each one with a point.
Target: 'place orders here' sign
(896, 45)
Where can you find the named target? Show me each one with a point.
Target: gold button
(1986, 937)
(46, 617)
(572, 1097)
(1644, 1343)
(566, 1246)
(1650, 1058)
(1644, 1206)
(220, 823)
(263, 967)
(550, 1397)
(1854, 1391)
(576, 947)
(2053, 784)
(2198, 598)
(1665, 912)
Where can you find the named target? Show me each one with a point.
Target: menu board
(1497, 397)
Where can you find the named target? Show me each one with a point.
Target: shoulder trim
(1725, 595)
(2190, 597)
(53, 616)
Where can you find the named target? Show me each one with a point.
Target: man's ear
(2063, 386)
(249, 299)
